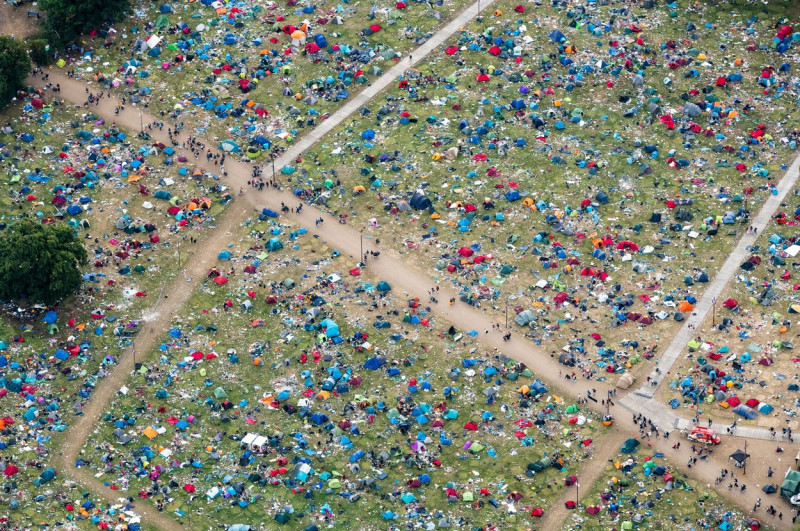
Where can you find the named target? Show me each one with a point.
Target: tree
(40, 262)
(14, 68)
(65, 20)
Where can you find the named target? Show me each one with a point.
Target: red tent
(495, 50)
(375, 28)
(730, 304)
(188, 487)
(482, 77)
(537, 512)
(10, 470)
(471, 426)
(627, 244)
(220, 280)
(466, 252)
(668, 121)
(451, 50)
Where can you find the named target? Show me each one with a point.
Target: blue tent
(224, 255)
(319, 418)
(50, 317)
(357, 456)
(384, 286)
(745, 412)
(374, 364)
(556, 36)
(229, 145)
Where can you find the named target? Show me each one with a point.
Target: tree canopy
(40, 262)
(65, 20)
(14, 68)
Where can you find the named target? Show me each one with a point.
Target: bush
(14, 68)
(65, 20)
(40, 262)
(39, 52)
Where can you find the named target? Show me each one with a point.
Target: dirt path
(404, 276)
(160, 315)
(591, 470)
(14, 20)
(729, 269)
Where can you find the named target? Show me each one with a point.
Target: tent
(626, 380)
(525, 317)
(739, 456)
(629, 446)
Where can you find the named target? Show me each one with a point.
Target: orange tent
(686, 306)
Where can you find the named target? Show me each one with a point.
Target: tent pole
(745, 458)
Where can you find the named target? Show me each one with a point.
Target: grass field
(402, 403)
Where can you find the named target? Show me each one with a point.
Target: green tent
(572, 409)
(219, 392)
(282, 518)
(335, 484)
(791, 484)
(468, 496)
(476, 448)
(629, 446)
(162, 21)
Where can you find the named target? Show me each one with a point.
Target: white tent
(153, 41)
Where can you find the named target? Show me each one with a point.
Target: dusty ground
(14, 20)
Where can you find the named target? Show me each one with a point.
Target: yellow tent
(150, 432)
(323, 395)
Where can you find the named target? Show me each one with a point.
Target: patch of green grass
(423, 353)
(625, 485)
